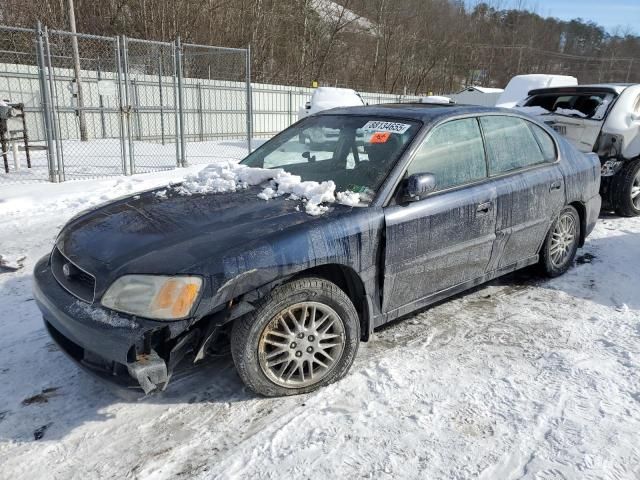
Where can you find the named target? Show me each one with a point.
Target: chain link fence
(98, 106)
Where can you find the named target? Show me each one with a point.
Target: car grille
(72, 278)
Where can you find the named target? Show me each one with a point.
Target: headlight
(153, 296)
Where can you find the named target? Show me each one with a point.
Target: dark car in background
(451, 197)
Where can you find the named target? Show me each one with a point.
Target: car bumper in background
(131, 353)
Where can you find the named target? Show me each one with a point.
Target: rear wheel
(303, 335)
(561, 244)
(626, 190)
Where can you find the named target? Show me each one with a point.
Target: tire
(558, 250)
(261, 346)
(625, 186)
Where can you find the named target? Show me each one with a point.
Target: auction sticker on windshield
(386, 126)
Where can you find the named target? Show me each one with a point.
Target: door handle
(483, 208)
(555, 186)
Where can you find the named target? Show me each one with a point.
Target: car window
(580, 105)
(547, 145)
(453, 153)
(510, 143)
(356, 152)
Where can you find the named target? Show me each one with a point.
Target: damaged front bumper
(132, 353)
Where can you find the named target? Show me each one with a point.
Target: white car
(604, 119)
(520, 85)
(325, 98)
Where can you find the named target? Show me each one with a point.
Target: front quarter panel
(348, 237)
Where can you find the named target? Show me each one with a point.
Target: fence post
(175, 105)
(101, 105)
(127, 95)
(121, 113)
(136, 108)
(55, 124)
(161, 97)
(200, 113)
(183, 156)
(45, 101)
(249, 100)
(290, 106)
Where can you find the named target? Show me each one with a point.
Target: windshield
(356, 152)
(581, 105)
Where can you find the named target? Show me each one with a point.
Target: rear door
(446, 238)
(524, 155)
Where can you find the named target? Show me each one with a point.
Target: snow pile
(534, 111)
(569, 112)
(228, 176)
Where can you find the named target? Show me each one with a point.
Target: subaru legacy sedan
(441, 198)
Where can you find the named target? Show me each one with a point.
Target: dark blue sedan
(448, 197)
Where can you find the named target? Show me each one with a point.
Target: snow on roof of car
(476, 88)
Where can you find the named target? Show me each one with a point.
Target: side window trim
(531, 125)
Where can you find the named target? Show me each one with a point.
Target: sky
(607, 13)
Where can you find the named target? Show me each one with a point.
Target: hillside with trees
(398, 46)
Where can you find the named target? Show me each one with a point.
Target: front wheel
(626, 190)
(560, 246)
(302, 335)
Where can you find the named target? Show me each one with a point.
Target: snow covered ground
(522, 378)
(103, 157)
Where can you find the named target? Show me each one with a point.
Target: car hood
(163, 231)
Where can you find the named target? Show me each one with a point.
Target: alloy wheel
(563, 239)
(635, 191)
(301, 344)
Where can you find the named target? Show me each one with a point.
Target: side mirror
(418, 185)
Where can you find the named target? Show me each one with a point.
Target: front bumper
(129, 352)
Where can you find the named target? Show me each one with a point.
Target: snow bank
(520, 85)
(228, 176)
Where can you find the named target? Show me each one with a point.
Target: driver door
(446, 238)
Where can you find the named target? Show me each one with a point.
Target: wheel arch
(582, 214)
(348, 280)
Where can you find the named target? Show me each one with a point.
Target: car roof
(425, 112)
(596, 87)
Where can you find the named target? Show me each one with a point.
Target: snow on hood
(228, 176)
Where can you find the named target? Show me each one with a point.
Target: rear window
(581, 105)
